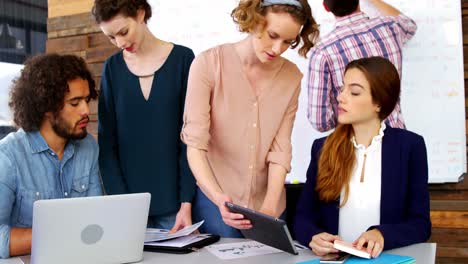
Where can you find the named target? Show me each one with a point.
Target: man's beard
(61, 128)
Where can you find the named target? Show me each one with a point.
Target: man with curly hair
(51, 155)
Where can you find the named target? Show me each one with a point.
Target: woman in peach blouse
(240, 108)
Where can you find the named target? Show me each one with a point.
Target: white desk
(424, 253)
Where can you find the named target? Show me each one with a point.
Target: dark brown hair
(384, 81)
(342, 8)
(337, 159)
(249, 14)
(105, 10)
(42, 87)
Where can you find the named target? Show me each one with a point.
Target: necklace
(145, 76)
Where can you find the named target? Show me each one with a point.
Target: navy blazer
(404, 204)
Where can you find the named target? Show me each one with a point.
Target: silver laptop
(92, 230)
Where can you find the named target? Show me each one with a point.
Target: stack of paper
(179, 242)
(154, 234)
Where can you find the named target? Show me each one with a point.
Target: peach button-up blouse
(242, 133)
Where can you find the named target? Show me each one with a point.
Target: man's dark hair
(42, 86)
(105, 10)
(342, 8)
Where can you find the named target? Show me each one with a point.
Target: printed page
(241, 250)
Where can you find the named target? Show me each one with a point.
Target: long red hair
(337, 160)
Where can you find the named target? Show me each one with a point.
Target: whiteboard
(432, 99)
(8, 71)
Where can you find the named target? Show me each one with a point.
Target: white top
(362, 210)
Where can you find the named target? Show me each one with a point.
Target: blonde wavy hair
(250, 14)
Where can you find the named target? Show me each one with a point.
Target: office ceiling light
(7, 40)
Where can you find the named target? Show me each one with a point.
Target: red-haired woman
(366, 182)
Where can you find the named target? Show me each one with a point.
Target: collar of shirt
(375, 140)
(350, 19)
(38, 145)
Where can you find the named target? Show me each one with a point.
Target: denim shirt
(31, 171)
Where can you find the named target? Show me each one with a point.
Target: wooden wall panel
(59, 8)
(70, 44)
(449, 219)
(450, 237)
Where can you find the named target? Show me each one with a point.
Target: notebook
(351, 249)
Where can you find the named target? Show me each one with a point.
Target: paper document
(179, 241)
(154, 234)
(241, 250)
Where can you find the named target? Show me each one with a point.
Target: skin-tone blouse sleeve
(281, 149)
(195, 132)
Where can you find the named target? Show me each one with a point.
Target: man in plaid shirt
(355, 36)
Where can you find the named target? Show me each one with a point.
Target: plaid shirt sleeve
(320, 109)
(406, 27)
